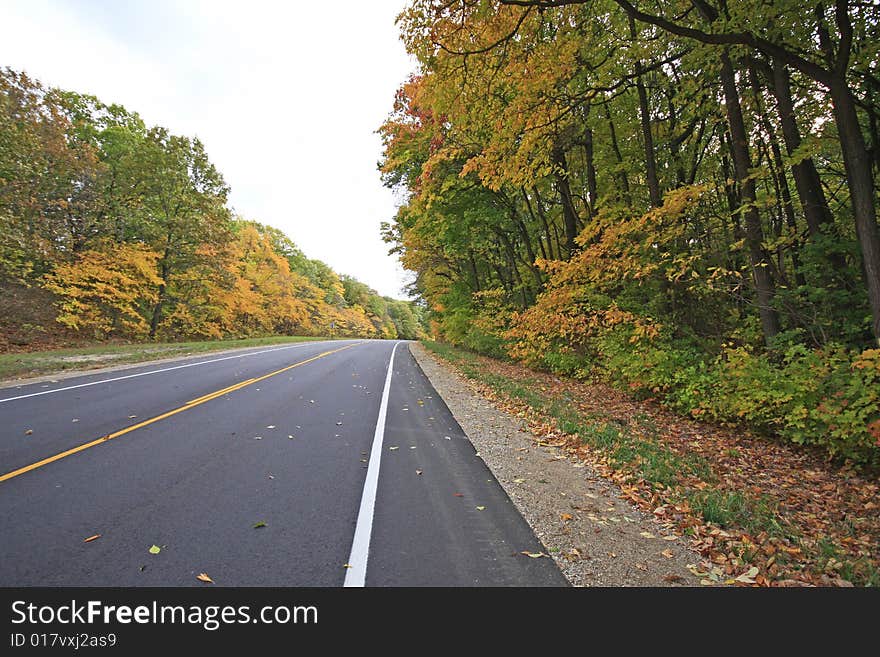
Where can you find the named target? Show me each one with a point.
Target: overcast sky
(286, 97)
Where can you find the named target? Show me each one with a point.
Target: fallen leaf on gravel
(565, 517)
(91, 538)
(203, 577)
(642, 566)
(259, 524)
(669, 538)
(647, 534)
(534, 555)
(155, 549)
(748, 577)
(667, 553)
(673, 579)
(519, 481)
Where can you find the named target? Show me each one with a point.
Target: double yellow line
(152, 420)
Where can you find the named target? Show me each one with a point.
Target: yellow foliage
(109, 290)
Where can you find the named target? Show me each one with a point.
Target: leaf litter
(820, 520)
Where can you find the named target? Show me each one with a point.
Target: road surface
(313, 464)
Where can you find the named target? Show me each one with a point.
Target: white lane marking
(164, 369)
(356, 573)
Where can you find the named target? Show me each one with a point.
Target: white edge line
(356, 573)
(164, 369)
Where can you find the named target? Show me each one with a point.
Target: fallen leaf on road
(258, 437)
(28, 432)
(271, 426)
(481, 508)
(203, 577)
(393, 448)
(534, 555)
(447, 438)
(155, 549)
(76, 419)
(311, 401)
(131, 417)
(412, 446)
(289, 436)
(418, 472)
(458, 494)
(346, 565)
(259, 524)
(339, 424)
(91, 538)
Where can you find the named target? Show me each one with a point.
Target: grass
(22, 365)
(633, 447)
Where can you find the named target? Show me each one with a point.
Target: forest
(676, 198)
(125, 231)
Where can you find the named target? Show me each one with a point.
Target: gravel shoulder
(595, 536)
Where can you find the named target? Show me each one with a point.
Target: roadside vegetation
(747, 502)
(678, 199)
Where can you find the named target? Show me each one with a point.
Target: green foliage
(580, 193)
(128, 226)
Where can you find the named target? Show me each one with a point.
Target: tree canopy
(637, 190)
(128, 226)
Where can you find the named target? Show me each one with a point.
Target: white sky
(286, 97)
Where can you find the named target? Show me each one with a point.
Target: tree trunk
(806, 178)
(857, 163)
(535, 218)
(764, 288)
(592, 186)
(645, 120)
(621, 174)
(569, 215)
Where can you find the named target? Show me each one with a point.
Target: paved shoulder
(441, 518)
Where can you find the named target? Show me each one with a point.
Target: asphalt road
(311, 439)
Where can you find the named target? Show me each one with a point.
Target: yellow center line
(185, 407)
